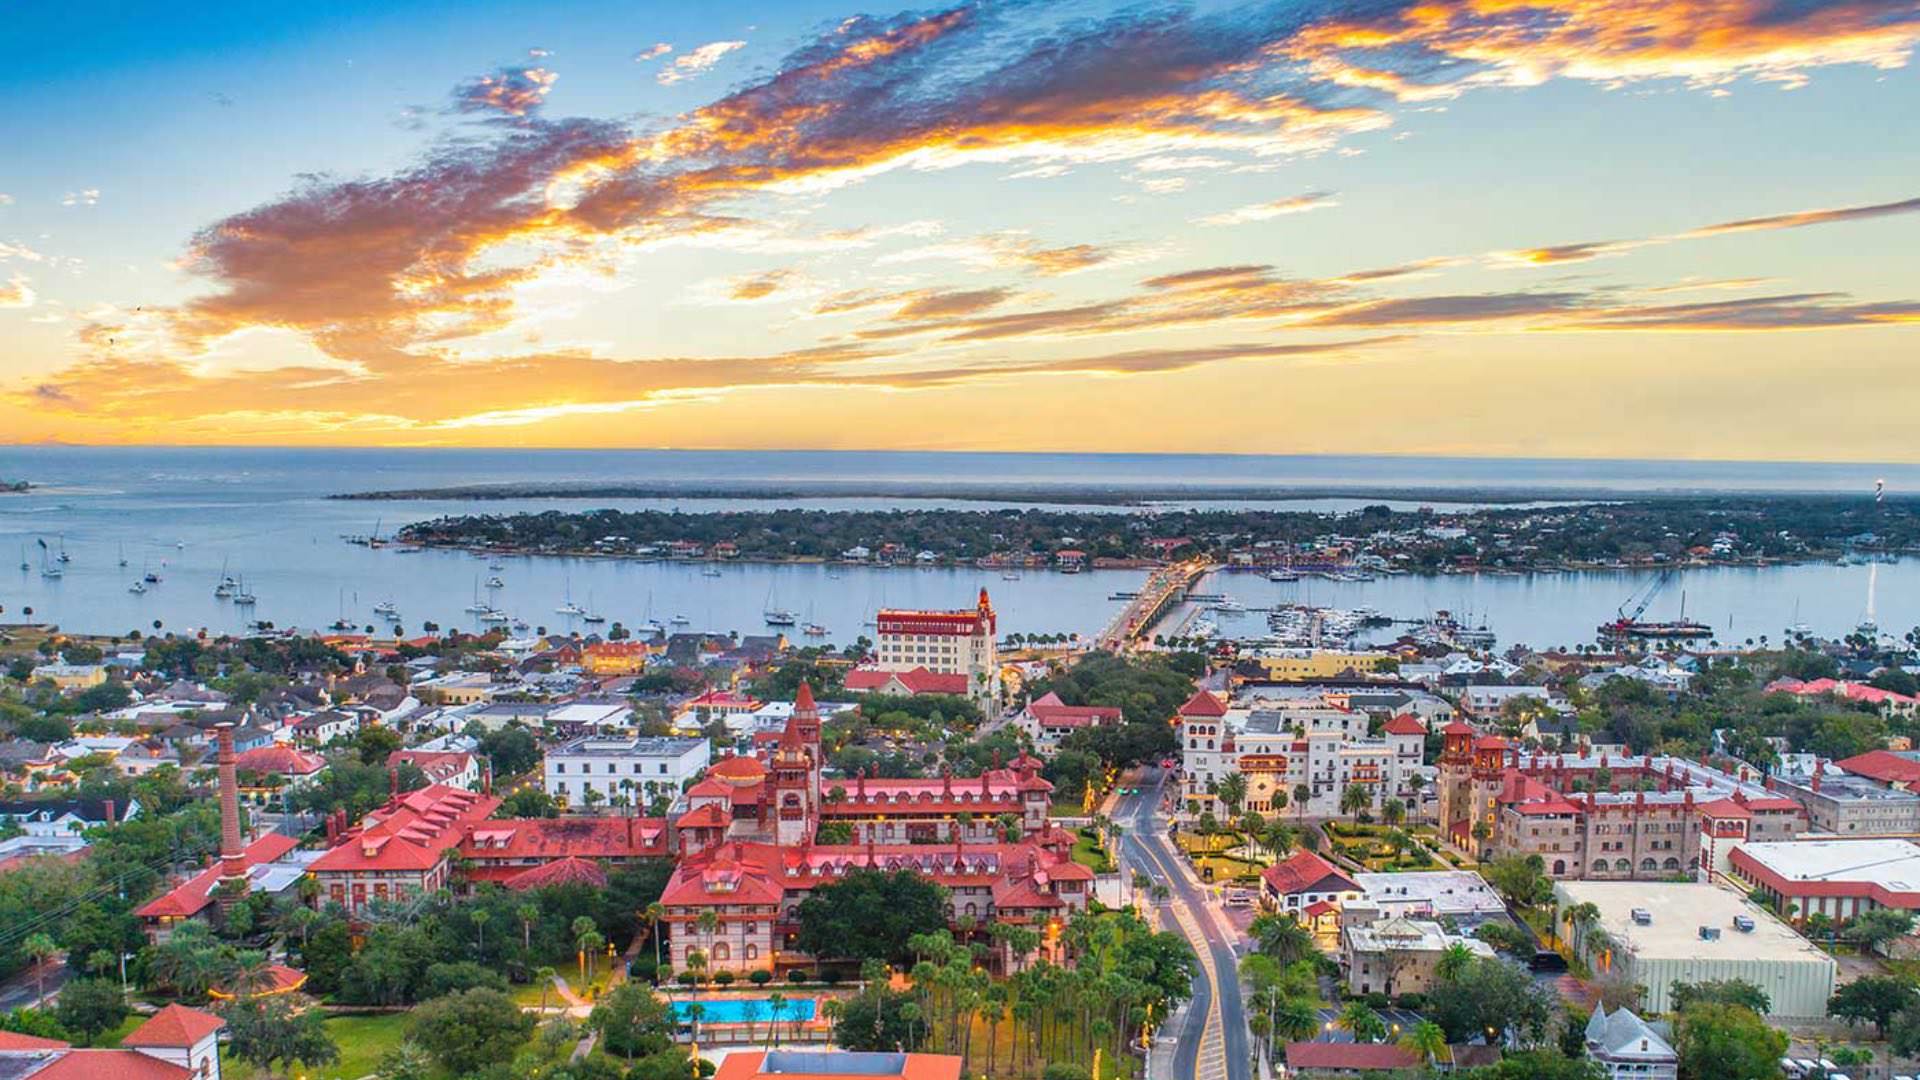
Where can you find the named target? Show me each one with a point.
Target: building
(401, 851)
(945, 643)
(1285, 746)
(749, 847)
(1303, 879)
(1048, 721)
(1658, 934)
(615, 658)
(599, 769)
(1873, 801)
(176, 1043)
(293, 768)
(701, 710)
(508, 851)
(1299, 665)
(1841, 879)
(1459, 895)
(1595, 816)
(1348, 1059)
(836, 1065)
(1887, 702)
(1397, 955)
(1627, 1048)
(910, 683)
(71, 676)
(454, 768)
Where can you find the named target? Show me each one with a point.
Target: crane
(1646, 596)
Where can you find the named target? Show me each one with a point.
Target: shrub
(1375, 1000)
(1060, 1070)
(1411, 1002)
(798, 976)
(687, 978)
(723, 978)
(760, 978)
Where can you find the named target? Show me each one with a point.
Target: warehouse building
(1657, 934)
(1841, 879)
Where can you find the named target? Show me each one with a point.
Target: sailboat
(709, 571)
(137, 587)
(64, 557)
(24, 564)
(1870, 626)
(477, 608)
(226, 585)
(1798, 629)
(777, 616)
(570, 608)
(590, 615)
(242, 595)
(123, 554)
(48, 569)
(650, 626)
(387, 608)
(341, 623)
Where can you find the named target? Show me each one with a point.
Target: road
(1213, 1040)
(23, 990)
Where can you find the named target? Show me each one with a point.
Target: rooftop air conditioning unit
(1641, 916)
(1743, 923)
(1709, 933)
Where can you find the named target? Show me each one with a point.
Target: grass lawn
(1226, 869)
(363, 1040)
(1086, 852)
(110, 1039)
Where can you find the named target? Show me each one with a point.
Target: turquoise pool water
(741, 1010)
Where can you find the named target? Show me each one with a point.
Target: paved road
(1213, 1041)
(23, 990)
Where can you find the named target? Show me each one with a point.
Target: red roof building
(836, 1065)
(402, 850)
(501, 851)
(178, 1043)
(295, 764)
(1331, 1058)
(910, 683)
(960, 643)
(1304, 879)
(453, 768)
(1048, 720)
(1885, 766)
(193, 898)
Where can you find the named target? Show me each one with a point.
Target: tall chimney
(233, 862)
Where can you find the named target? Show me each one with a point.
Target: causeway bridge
(1165, 587)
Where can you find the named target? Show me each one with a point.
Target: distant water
(263, 514)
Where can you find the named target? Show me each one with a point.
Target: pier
(1165, 587)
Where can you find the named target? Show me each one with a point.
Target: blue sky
(991, 226)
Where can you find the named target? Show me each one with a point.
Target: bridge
(1165, 587)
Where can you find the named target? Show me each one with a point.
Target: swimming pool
(743, 1010)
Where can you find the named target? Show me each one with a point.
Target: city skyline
(1566, 230)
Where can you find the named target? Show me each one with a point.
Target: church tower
(796, 773)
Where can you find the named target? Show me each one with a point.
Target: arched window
(751, 952)
(1671, 864)
(1559, 867)
(1599, 866)
(1649, 864)
(721, 951)
(1623, 866)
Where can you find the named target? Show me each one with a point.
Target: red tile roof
(1882, 765)
(1303, 871)
(917, 681)
(175, 1025)
(1050, 711)
(516, 840)
(109, 1065)
(1203, 703)
(440, 766)
(1405, 724)
(1353, 1056)
(1457, 728)
(567, 871)
(413, 832)
(739, 767)
(13, 1040)
(285, 760)
(191, 896)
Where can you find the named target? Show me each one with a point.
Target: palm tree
(1233, 791)
(40, 948)
(1282, 937)
(1354, 798)
(1364, 1023)
(1301, 793)
(544, 976)
(1394, 811)
(587, 939)
(528, 914)
(247, 973)
(776, 1004)
(1426, 1039)
(480, 917)
(1295, 1018)
(1454, 961)
(653, 914)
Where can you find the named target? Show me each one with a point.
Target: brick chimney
(233, 861)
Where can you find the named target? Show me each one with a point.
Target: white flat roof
(1679, 910)
(1894, 864)
(1449, 892)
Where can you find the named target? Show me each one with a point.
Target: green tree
(1427, 1040)
(870, 913)
(633, 1022)
(1363, 1023)
(406, 1061)
(268, 1033)
(1871, 997)
(467, 1030)
(1727, 1042)
(1879, 926)
(88, 1007)
(1724, 991)
(1282, 937)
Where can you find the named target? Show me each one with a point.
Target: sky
(1558, 228)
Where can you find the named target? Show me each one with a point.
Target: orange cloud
(509, 91)
(1809, 217)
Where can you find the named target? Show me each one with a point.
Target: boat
(710, 571)
(477, 608)
(137, 587)
(780, 617)
(1282, 575)
(1630, 625)
(590, 615)
(495, 564)
(342, 625)
(570, 608)
(495, 583)
(226, 587)
(1009, 575)
(650, 628)
(64, 557)
(814, 629)
(52, 572)
(24, 564)
(1229, 605)
(150, 578)
(680, 620)
(387, 608)
(123, 554)
(520, 625)
(242, 595)
(492, 616)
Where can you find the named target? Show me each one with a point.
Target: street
(1213, 1041)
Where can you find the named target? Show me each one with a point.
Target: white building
(944, 642)
(1281, 746)
(639, 768)
(1627, 1048)
(1660, 933)
(1460, 895)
